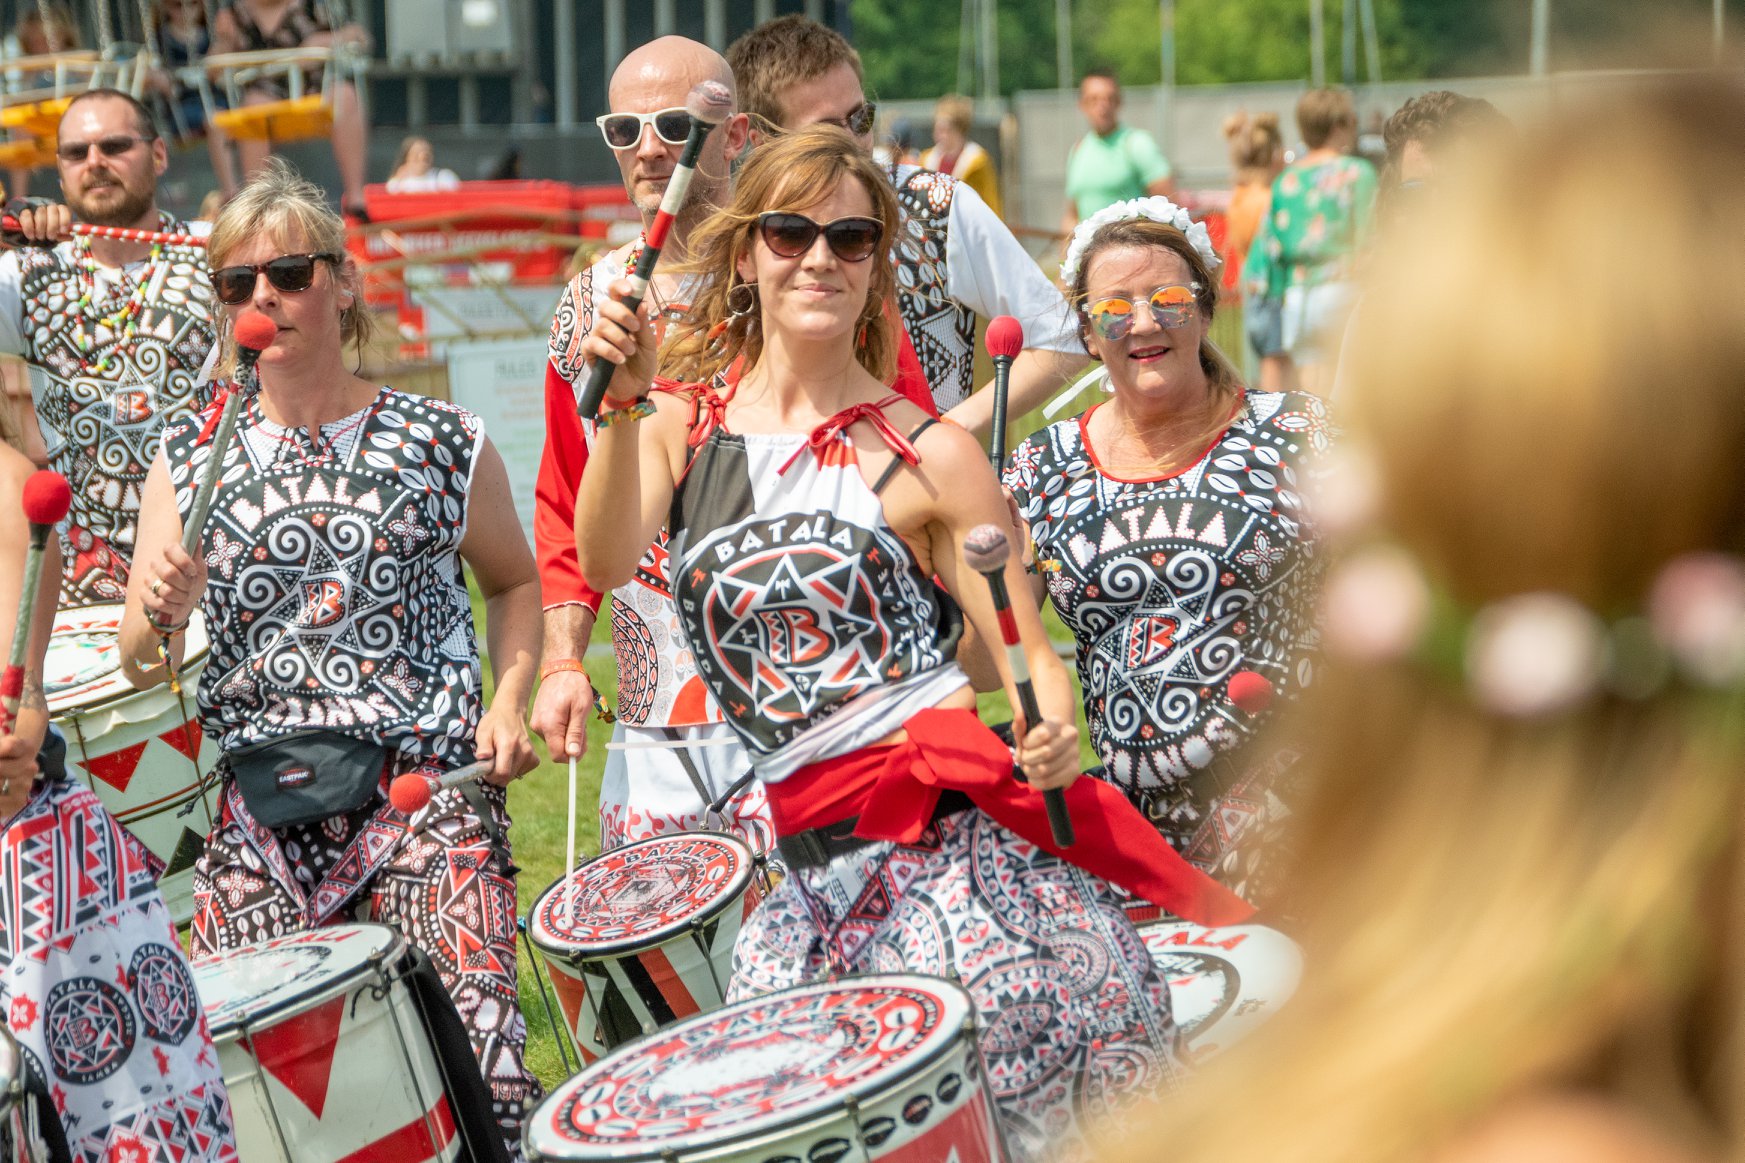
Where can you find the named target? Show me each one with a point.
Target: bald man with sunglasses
(680, 754)
(116, 332)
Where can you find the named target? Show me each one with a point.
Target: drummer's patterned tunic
(102, 425)
(1172, 585)
(819, 634)
(335, 600)
(94, 987)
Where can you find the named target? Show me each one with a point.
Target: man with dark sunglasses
(682, 754)
(116, 332)
(957, 259)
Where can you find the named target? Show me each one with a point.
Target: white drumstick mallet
(986, 549)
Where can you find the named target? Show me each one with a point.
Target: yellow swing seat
(290, 120)
(27, 153)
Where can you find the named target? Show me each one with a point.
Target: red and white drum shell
(323, 1051)
(1224, 982)
(141, 751)
(868, 1068)
(642, 936)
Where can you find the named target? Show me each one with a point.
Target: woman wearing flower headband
(810, 511)
(1521, 860)
(1168, 532)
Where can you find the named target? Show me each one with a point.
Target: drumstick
(47, 496)
(13, 236)
(709, 104)
(254, 334)
(569, 859)
(1004, 340)
(986, 550)
(410, 793)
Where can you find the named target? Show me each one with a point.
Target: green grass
(537, 805)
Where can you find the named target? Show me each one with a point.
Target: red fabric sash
(831, 431)
(895, 789)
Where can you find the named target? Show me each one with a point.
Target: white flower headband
(1539, 653)
(1158, 209)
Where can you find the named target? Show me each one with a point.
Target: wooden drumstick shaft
(986, 550)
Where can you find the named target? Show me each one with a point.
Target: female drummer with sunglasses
(814, 519)
(1168, 532)
(332, 590)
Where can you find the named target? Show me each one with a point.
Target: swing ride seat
(289, 120)
(26, 153)
(297, 116)
(59, 78)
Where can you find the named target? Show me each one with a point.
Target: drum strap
(695, 776)
(468, 1097)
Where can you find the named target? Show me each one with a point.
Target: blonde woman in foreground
(1520, 861)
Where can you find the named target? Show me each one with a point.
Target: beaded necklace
(123, 320)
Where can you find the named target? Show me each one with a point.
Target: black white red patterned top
(809, 617)
(102, 425)
(1170, 586)
(336, 598)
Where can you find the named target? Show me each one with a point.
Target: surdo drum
(868, 1068)
(643, 935)
(332, 1050)
(1223, 982)
(140, 751)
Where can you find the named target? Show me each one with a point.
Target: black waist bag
(307, 777)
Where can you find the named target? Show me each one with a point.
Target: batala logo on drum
(766, 605)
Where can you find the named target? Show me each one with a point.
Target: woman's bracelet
(629, 415)
(564, 665)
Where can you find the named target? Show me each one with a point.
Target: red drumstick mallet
(709, 104)
(410, 793)
(254, 334)
(47, 496)
(986, 550)
(1004, 340)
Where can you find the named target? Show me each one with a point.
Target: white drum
(1223, 982)
(643, 935)
(868, 1068)
(326, 1052)
(141, 751)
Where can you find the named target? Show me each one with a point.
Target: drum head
(83, 665)
(754, 1068)
(276, 977)
(1223, 982)
(642, 894)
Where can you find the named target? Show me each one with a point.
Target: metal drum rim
(952, 1030)
(394, 954)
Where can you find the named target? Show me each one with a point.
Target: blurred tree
(911, 46)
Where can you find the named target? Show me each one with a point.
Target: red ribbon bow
(832, 429)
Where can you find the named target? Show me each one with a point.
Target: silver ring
(6, 786)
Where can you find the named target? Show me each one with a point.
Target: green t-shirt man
(1107, 168)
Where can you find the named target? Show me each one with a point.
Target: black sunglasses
(792, 235)
(289, 273)
(624, 130)
(74, 152)
(858, 121)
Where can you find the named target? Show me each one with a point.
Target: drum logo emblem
(295, 776)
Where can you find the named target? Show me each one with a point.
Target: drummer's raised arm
(164, 586)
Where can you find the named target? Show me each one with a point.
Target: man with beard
(115, 332)
(681, 754)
